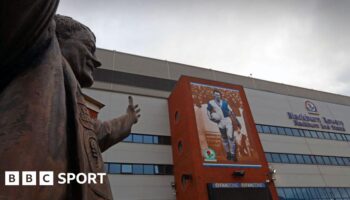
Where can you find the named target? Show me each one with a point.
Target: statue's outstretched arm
(115, 130)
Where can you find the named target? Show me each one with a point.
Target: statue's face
(80, 54)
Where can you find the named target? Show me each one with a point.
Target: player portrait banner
(222, 127)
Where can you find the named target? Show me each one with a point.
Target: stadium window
(276, 158)
(128, 139)
(313, 134)
(281, 131)
(347, 137)
(137, 169)
(288, 131)
(300, 159)
(343, 193)
(327, 136)
(319, 160)
(320, 135)
(280, 193)
(114, 168)
(314, 194)
(298, 193)
(307, 133)
(268, 157)
(333, 137)
(305, 193)
(336, 193)
(126, 169)
(284, 158)
(155, 140)
(327, 161)
(307, 159)
(333, 160)
(266, 129)
(148, 139)
(323, 193)
(273, 130)
(292, 158)
(148, 169)
(340, 161)
(296, 132)
(259, 128)
(106, 167)
(339, 137)
(289, 193)
(137, 138)
(347, 161)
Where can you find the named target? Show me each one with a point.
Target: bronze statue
(44, 122)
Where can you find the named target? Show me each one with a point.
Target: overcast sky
(300, 42)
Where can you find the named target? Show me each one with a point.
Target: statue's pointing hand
(133, 111)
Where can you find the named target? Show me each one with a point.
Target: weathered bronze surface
(44, 122)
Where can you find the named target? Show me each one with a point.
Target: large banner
(222, 127)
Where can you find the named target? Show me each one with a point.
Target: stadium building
(304, 134)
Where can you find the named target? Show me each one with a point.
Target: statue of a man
(44, 122)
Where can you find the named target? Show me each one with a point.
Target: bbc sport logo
(47, 178)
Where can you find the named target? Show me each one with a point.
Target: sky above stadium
(304, 43)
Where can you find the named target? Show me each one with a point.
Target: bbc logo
(28, 178)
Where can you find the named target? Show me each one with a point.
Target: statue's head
(77, 44)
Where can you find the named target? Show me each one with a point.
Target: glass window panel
(280, 193)
(340, 161)
(114, 168)
(148, 139)
(307, 159)
(292, 158)
(319, 160)
(106, 166)
(284, 158)
(347, 161)
(268, 157)
(329, 192)
(336, 193)
(343, 193)
(327, 161)
(259, 128)
(333, 160)
(137, 138)
(333, 137)
(326, 135)
(313, 159)
(128, 139)
(148, 169)
(266, 129)
(155, 140)
(281, 131)
(314, 194)
(295, 132)
(156, 169)
(339, 137)
(137, 169)
(323, 193)
(320, 135)
(276, 158)
(273, 130)
(313, 134)
(288, 131)
(305, 193)
(307, 133)
(347, 137)
(289, 193)
(126, 168)
(298, 193)
(300, 159)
